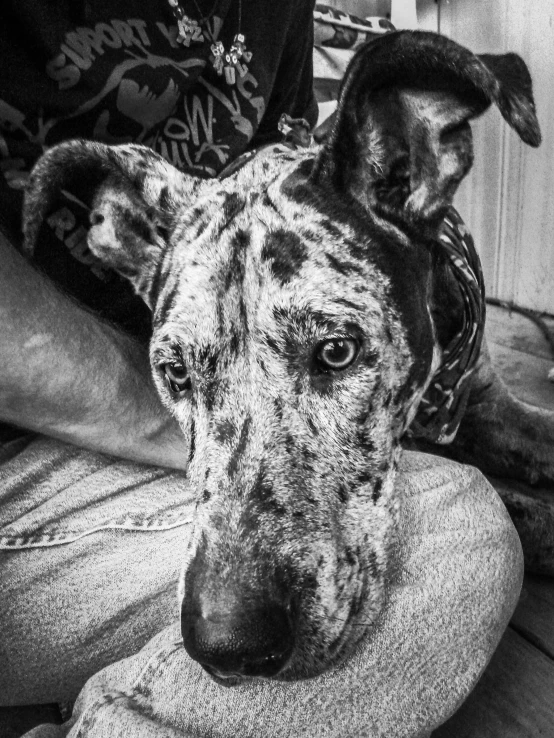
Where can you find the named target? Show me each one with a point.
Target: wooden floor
(515, 696)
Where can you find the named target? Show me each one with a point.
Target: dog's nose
(247, 642)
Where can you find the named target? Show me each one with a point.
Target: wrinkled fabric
(71, 608)
(444, 403)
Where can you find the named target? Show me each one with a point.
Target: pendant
(218, 53)
(233, 61)
(189, 30)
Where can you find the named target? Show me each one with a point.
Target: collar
(295, 134)
(443, 404)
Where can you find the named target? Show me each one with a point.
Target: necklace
(225, 62)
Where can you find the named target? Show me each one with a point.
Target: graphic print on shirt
(139, 79)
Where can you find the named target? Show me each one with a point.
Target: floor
(515, 696)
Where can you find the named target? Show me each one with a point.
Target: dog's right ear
(401, 141)
(133, 195)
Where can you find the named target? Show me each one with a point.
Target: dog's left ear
(401, 141)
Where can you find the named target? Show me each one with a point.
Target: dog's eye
(337, 353)
(176, 376)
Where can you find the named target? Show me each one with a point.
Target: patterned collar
(443, 405)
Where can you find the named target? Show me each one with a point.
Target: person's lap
(91, 548)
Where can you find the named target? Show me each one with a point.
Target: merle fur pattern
(293, 465)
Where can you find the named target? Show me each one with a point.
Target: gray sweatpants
(90, 550)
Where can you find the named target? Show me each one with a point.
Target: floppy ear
(133, 195)
(401, 141)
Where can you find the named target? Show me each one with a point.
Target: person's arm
(65, 373)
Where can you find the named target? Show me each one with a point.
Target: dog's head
(293, 338)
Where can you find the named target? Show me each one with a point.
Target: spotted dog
(302, 308)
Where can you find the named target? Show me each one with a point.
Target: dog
(302, 308)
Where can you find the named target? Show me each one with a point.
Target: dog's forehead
(254, 248)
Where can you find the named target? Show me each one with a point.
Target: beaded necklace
(225, 62)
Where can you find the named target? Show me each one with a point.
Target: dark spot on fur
(243, 315)
(137, 223)
(206, 494)
(363, 439)
(232, 205)
(313, 427)
(376, 493)
(364, 478)
(322, 382)
(225, 431)
(343, 267)
(296, 187)
(287, 254)
(308, 454)
(370, 356)
(350, 557)
(235, 272)
(240, 448)
(202, 227)
(234, 343)
(270, 341)
(342, 492)
(192, 448)
(209, 393)
(305, 167)
(356, 250)
(310, 235)
(349, 304)
(267, 202)
(261, 364)
(164, 200)
(372, 564)
(206, 360)
(290, 443)
(278, 405)
(300, 193)
(264, 494)
(333, 231)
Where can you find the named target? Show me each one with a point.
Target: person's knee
(460, 543)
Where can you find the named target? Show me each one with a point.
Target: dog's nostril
(246, 642)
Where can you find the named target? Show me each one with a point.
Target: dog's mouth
(224, 680)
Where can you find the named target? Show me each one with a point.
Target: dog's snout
(239, 641)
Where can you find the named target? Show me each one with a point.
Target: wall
(508, 199)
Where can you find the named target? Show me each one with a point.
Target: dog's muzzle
(236, 639)
(236, 626)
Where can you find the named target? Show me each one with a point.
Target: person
(94, 511)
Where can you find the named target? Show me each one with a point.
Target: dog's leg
(508, 438)
(503, 435)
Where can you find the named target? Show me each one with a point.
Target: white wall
(508, 199)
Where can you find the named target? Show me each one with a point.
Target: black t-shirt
(113, 71)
